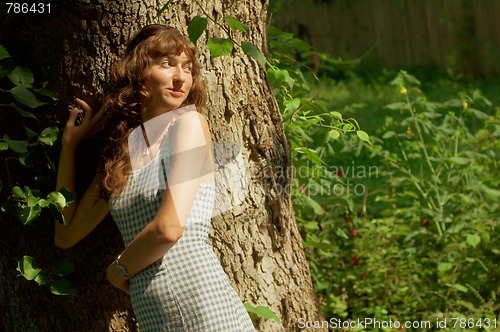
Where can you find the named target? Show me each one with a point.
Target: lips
(176, 93)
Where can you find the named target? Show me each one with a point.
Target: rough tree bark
(258, 243)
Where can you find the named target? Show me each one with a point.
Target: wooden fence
(463, 35)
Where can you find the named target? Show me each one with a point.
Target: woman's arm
(189, 162)
(80, 216)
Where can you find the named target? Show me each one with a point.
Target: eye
(188, 68)
(166, 64)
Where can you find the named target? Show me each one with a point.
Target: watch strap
(121, 269)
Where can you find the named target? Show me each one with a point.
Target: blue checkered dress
(186, 290)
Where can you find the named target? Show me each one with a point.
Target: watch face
(120, 269)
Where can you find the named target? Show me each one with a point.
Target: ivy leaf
(25, 97)
(196, 27)
(262, 311)
(63, 287)
(27, 214)
(220, 46)
(28, 268)
(236, 25)
(57, 199)
(42, 278)
(68, 195)
(22, 112)
(4, 146)
(254, 52)
(19, 146)
(3, 53)
(21, 76)
(18, 192)
(49, 135)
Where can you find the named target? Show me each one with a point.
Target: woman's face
(169, 83)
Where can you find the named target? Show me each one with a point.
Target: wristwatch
(121, 269)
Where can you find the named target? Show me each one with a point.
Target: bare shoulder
(193, 121)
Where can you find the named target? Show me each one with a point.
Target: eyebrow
(173, 57)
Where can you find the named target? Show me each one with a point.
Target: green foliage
(224, 46)
(31, 149)
(404, 227)
(262, 311)
(53, 276)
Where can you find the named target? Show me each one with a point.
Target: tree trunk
(258, 242)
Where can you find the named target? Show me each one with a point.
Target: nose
(179, 74)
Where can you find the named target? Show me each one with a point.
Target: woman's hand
(117, 280)
(74, 134)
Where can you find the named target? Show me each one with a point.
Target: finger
(72, 116)
(87, 110)
(101, 111)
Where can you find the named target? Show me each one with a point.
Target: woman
(157, 181)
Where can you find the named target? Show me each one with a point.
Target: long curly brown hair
(129, 77)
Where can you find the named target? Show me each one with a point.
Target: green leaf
(42, 278)
(235, 24)
(28, 268)
(220, 46)
(4, 146)
(336, 115)
(363, 136)
(460, 288)
(21, 76)
(333, 134)
(49, 135)
(3, 53)
(57, 214)
(388, 134)
(262, 311)
(314, 205)
(22, 112)
(254, 52)
(63, 287)
(29, 133)
(18, 192)
(281, 76)
(57, 199)
(196, 27)
(444, 266)
(459, 160)
(473, 240)
(68, 195)
(162, 9)
(19, 146)
(291, 104)
(477, 113)
(395, 106)
(62, 267)
(25, 97)
(27, 214)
